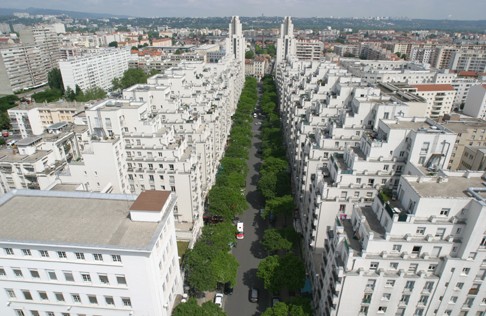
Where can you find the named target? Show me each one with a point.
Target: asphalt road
(249, 251)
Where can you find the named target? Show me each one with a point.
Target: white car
(218, 299)
(239, 227)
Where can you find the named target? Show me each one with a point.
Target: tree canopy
(130, 77)
(54, 80)
(191, 308)
(113, 44)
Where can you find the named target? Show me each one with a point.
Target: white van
(239, 227)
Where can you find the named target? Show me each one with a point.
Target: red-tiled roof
(467, 74)
(150, 200)
(433, 87)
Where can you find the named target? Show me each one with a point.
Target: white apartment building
(21, 67)
(475, 105)
(309, 49)
(33, 119)
(35, 162)
(286, 43)
(235, 43)
(439, 97)
(46, 38)
(81, 253)
(97, 69)
(421, 254)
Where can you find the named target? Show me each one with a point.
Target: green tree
(268, 271)
(69, 94)
(250, 54)
(94, 93)
(274, 241)
(292, 272)
(280, 309)
(129, 78)
(113, 44)
(49, 95)
(54, 79)
(226, 201)
(191, 308)
(282, 205)
(4, 121)
(134, 48)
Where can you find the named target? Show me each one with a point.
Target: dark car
(253, 295)
(228, 289)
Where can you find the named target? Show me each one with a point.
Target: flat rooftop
(455, 187)
(74, 219)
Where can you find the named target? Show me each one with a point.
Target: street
(249, 251)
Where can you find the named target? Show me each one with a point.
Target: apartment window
(390, 283)
(59, 297)
(76, 298)
(50, 314)
(445, 211)
(62, 254)
(420, 231)
(424, 299)
(432, 267)
(428, 286)
(92, 299)
(367, 298)
(172, 188)
(126, 301)
(116, 258)
(364, 310)
(373, 265)
(86, 277)
(370, 285)
(34, 274)
(44, 253)
(98, 256)
(393, 265)
(385, 167)
(103, 278)
(405, 298)
(18, 273)
(459, 285)
(416, 249)
(26, 252)
(409, 285)
(109, 300)
(27, 295)
(397, 248)
(382, 309)
(10, 293)
(412, 267)
(453, 299)
(171, 167)
(2, 272)
(386, 297)
(43, 295)
(19, 312)
(440, 233)
(80, 255)
(121, 279)
(8, 251)
(465, 271)
(68, 276)
(52, 275)
(418, 312)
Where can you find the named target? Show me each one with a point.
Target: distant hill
(72, 14)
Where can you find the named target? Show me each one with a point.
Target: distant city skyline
(420, 9)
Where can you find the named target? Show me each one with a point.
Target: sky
(428, 9)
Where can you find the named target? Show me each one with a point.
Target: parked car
(5, 133)
(239, 227)
(253, 295)
(228, 290)
(218, 299)
(239, 235)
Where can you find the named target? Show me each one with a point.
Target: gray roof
(74, 219)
